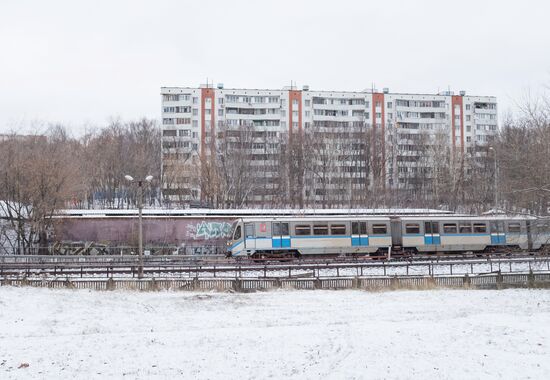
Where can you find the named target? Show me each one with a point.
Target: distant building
(353, 140)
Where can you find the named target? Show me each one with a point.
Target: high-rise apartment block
(351, 141)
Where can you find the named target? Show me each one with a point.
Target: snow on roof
(247, 212)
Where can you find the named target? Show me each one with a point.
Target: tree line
(324, 166)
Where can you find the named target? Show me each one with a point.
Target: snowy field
(457, 334)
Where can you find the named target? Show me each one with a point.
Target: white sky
(81, 63)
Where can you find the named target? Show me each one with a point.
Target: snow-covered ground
(441, 334)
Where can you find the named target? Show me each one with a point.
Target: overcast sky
(83, 62)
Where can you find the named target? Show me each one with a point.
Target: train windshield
(236, 232)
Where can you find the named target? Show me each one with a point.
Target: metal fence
(490, 281)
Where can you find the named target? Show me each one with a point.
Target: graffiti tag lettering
(213, 230)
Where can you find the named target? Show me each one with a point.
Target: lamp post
(496, 177)
(148, 179)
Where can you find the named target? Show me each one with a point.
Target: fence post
(68, 284)
(355, 283)
(499, 280)
(317, 283)
(394, 283)
(531, 279)
(237, 286)
(110, 285)
(467, 281)
(153, 285)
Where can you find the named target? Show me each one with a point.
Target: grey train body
(355, 235)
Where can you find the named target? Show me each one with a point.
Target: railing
(219, 267)
(491, 281)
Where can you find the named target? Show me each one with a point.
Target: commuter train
(292, 236)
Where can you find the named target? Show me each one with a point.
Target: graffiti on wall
(210, 230)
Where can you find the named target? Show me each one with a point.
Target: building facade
(315, 146)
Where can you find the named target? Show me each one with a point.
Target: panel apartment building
(353, 140)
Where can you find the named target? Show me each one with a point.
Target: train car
(355, 235)
(297, 236)
(465, 234)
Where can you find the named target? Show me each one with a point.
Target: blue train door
(498, 236)
(280, 235)
(359, 234)
(431, 233)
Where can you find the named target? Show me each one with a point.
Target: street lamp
(148, 179)
(496, 177)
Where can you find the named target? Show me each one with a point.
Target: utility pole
(140, 212)
(149, 178)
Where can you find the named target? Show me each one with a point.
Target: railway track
(308, 268)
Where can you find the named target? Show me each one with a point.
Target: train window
(542, 226)
(276, 229)
(480, 228)
(465, 228)
(303, 229)
(249, 230)
(237, 234)
(379, 229)
(320, 229)
(358, 228)
(497, 226)
(449, 228)
(514, 227)
(412, 228)
(284, 229)
(337, 229)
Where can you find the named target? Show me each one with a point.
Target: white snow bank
(64, 334)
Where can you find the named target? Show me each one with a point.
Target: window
(497, 226)
(195, 112)
(431, 227)
(449, 228)
(337, 229)
(480, 228)
(320, 229)
(514, 227)
(412, 228)
(389, 104)
(169, 132)
(465, 228)
(302, 230)
(249, 230)
(280, 229)
(359, 228)
(237, 234)
(379, 229)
